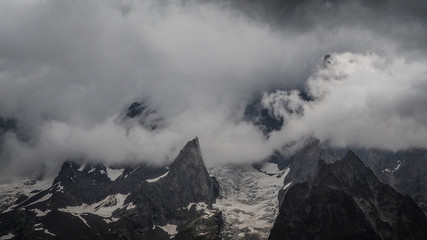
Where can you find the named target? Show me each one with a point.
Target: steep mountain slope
(346, 200)
(21, 190)
(140, 202)
(406, 170)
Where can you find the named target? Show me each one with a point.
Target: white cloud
(365, 100)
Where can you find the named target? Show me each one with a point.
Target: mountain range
(310, 194)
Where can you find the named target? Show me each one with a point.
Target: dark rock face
(135, 109)
(144, 115)
(304, 163)
(196, 177)
(408, 174)
(345, 200)
(139, 202)
(256, 113)
(406, 170)
(261, 114)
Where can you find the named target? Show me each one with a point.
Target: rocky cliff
(92, 201)
(345, 200)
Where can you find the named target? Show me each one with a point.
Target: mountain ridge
(345, 200)
(141, 202)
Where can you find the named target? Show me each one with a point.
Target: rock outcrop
(93, 201)
(404, 170)
(345, 200)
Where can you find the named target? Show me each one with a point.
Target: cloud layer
(360, 100)
(68, 70)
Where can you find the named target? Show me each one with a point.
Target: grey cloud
(361, 100)
(69, 68)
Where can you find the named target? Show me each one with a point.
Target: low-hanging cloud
(362, 100)
(68, 70)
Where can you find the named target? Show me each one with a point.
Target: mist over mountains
(69, 70)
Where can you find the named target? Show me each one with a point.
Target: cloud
(363, 100)
(68, 70)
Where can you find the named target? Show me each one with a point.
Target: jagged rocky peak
(188, 173)
(190, 156)
(304, 163)
(345, 200)
(404, 170)
(141, 201)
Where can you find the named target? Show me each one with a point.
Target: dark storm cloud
(68, 69)
(401, 20)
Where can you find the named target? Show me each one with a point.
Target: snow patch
(170, 229)
(130, 206)
(157, 178)
(8, 236)
(60, 188)
(134, 170)
(270, 168)
(92, 170)
(388, 170)
(285, 173)
(203, 208)
(287, 185)
(199, 206)
(47, 232)
(10, 192)
(103, 208)
(40, 213)
(113, 174)
(82, 167)
(110, 220)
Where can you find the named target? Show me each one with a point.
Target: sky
(70, 69)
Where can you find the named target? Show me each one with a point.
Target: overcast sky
(69, 69)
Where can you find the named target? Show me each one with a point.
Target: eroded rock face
(189, 177)
(345, 200)
(140, 202)
(404, 170)
(142, 114)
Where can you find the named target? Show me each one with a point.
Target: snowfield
(103, 208)
(248, 199)
(113, 174)
(10, 192)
